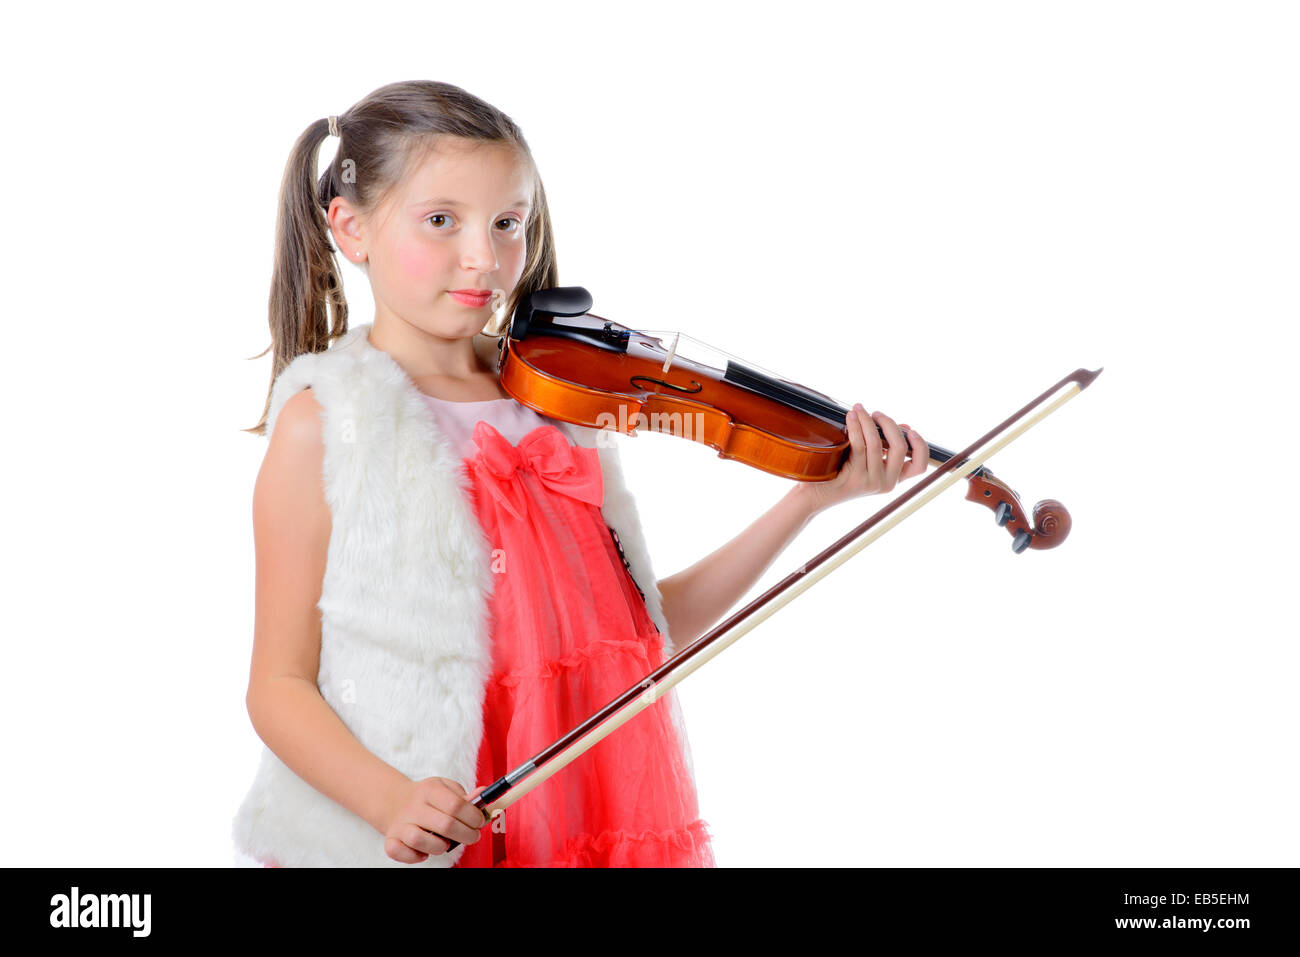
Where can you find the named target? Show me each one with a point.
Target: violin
(563, 361)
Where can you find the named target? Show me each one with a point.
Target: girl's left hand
(873, 467)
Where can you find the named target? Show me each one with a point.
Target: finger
(911, 442)
(431, 831)
(423, 840)
(919, 460)
(477, 791)
(399, 852)
(896, 456)
(857, 441)
(874, 468)
(452, 827)
(462, 826)
(456, 805)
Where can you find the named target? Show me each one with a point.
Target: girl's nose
(479, 254)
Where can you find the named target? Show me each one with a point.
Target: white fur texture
(405, 653)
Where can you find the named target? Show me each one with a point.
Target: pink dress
(570, 633)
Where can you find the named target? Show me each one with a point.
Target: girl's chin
(453, 324)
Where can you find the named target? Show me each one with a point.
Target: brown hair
(381, 138)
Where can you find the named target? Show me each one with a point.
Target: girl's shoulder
(289, 491)
(295, 451)
(335, 376)
(299, 420)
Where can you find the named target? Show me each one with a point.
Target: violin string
(660, 333)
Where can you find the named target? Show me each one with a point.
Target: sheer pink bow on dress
(569, 469)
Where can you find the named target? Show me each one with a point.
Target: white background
(937, 209)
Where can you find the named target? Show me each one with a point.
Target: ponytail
(306, 286)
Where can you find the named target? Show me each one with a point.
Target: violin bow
(503, 792)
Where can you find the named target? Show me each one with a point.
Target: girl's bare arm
(695, 599)
(291, 530)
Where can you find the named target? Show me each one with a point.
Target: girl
(446, 580)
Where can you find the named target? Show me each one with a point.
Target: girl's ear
(345, 225)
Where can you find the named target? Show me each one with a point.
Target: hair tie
(334, 126)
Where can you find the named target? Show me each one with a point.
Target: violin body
(589, 371)
(609, 376)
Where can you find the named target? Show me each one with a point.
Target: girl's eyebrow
(523, 201)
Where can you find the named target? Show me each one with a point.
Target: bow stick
(506, 790)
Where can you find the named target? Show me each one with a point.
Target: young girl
(446, 580)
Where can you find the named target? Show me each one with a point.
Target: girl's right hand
(427, 812)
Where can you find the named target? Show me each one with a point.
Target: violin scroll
(1050, 524)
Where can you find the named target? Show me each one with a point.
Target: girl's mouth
(471, 298)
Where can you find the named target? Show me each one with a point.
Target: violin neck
(938, 454)
(788, 393)
(808, 400)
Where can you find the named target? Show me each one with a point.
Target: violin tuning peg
(1021, 541)
(1003, 513)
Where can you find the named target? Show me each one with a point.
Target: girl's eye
(508, 219)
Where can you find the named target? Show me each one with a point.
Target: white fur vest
(405, 649)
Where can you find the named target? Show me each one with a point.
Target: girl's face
(456, 223)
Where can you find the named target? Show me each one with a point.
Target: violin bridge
(672, 351)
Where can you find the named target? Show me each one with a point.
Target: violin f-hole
(636, 380)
